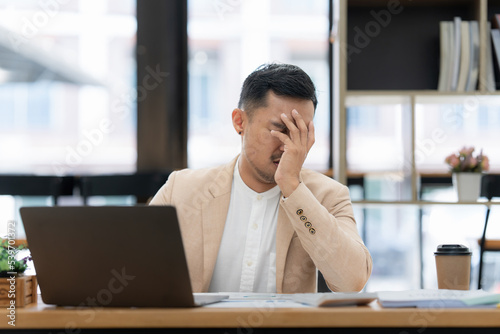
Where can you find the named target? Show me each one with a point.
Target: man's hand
(297, 144)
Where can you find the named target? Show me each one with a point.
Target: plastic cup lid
(452, 249)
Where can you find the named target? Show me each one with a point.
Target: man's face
(261, 152)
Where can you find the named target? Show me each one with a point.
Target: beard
(266, 176)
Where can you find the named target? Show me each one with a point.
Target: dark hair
(281, 79)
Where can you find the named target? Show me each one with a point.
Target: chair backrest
(490, 186)
(141, 185)
(36, 185)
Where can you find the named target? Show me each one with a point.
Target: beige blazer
(316, 229)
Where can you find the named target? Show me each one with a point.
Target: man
(262, 223)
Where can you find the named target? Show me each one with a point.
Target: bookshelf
(392, 48)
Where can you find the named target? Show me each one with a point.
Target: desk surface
(43, 316)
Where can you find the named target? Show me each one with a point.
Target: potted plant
(16, 289)
(9, 261)
(467, 168)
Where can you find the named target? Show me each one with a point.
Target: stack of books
(459, 62)
(459, 55)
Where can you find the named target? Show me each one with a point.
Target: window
(67, 85)
(446, 124)
(230, 39)
(67, 91)
(378, 145)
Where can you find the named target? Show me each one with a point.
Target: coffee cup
(453, 266)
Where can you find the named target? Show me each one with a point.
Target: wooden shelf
(417, 93)
(410, 3)
(421, 203)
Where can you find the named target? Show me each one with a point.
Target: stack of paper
(428, 298)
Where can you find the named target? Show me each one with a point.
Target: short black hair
(282, 79)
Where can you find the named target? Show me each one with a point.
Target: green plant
(9, 262)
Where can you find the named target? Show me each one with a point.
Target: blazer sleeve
(325, 225)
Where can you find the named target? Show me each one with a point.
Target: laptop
(117, 256)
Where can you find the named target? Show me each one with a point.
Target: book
(495, 37)
(463, 72)
(474, 57)
(490, 78)
(444, 62)
(451, 46)
(457, 31)
(434, 298)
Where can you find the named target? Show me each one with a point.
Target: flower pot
(20, 290)
(467, 186)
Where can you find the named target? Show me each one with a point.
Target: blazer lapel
(214, 213)
(284, 234)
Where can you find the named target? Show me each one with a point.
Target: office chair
(490, 187)
(142, 185)
(34, 185)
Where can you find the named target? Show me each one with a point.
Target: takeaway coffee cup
(453, 267)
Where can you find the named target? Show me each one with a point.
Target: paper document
(256, 300)
(433, 298)
(335, 298)
(274, 300)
